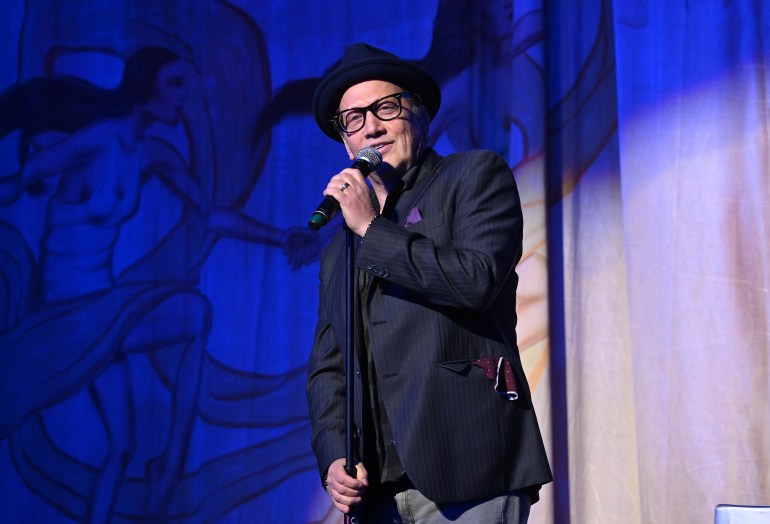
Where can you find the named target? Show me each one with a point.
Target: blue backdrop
(161, 282)
(158, 284)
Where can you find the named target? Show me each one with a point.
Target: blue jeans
(411, 507)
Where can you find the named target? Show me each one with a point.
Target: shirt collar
(410, 176)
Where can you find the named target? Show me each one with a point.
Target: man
(444, 418)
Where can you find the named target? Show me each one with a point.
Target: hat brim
(407, 75)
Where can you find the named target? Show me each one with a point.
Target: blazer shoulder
(479, 165)
(475, 156)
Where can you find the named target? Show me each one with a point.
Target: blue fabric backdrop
(158, 283)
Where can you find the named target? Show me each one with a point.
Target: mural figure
(90, 149)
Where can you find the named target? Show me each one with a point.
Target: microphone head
(371, 156)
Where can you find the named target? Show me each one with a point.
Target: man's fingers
(344, 497)
(344, 490)
(341, 507)
(362, 474)
(345, 500)
(347, 486)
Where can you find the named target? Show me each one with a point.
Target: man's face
(400, 140)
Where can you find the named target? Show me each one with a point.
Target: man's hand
(345, 490)
(348, 187)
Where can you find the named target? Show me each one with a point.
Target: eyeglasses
(386, 108)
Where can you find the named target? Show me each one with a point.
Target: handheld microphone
(367, 160)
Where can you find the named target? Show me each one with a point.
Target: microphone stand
(350, 341)
(367, 160)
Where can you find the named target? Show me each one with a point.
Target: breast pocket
(434, 227)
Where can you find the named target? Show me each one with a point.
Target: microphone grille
(371, 156)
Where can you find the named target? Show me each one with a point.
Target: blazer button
(386, 273)
(369, 266)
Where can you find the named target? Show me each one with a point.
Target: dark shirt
(380, 459)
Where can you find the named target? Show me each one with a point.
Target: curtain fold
(665, 278)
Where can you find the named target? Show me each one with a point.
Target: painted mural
(158, 281)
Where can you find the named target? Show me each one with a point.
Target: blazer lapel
(429, 170)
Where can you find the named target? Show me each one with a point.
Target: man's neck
(383, 183)
(382, 187)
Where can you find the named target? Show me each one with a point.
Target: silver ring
(344, 186)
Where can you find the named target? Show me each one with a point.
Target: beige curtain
(666, 240)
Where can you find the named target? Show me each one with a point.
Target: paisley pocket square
(414, 217)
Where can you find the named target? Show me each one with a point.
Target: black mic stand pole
(350, 341)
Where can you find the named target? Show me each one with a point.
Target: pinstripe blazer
(442, 294)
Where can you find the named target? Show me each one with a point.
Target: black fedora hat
(362, 62)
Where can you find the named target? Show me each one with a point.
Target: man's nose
(373, 125)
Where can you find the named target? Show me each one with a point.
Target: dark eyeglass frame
(371, 108)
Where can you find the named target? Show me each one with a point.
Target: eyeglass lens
(386, 108)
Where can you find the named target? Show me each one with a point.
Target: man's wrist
(375, 217)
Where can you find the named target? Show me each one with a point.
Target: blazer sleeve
(483, 236)
(325, 386)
